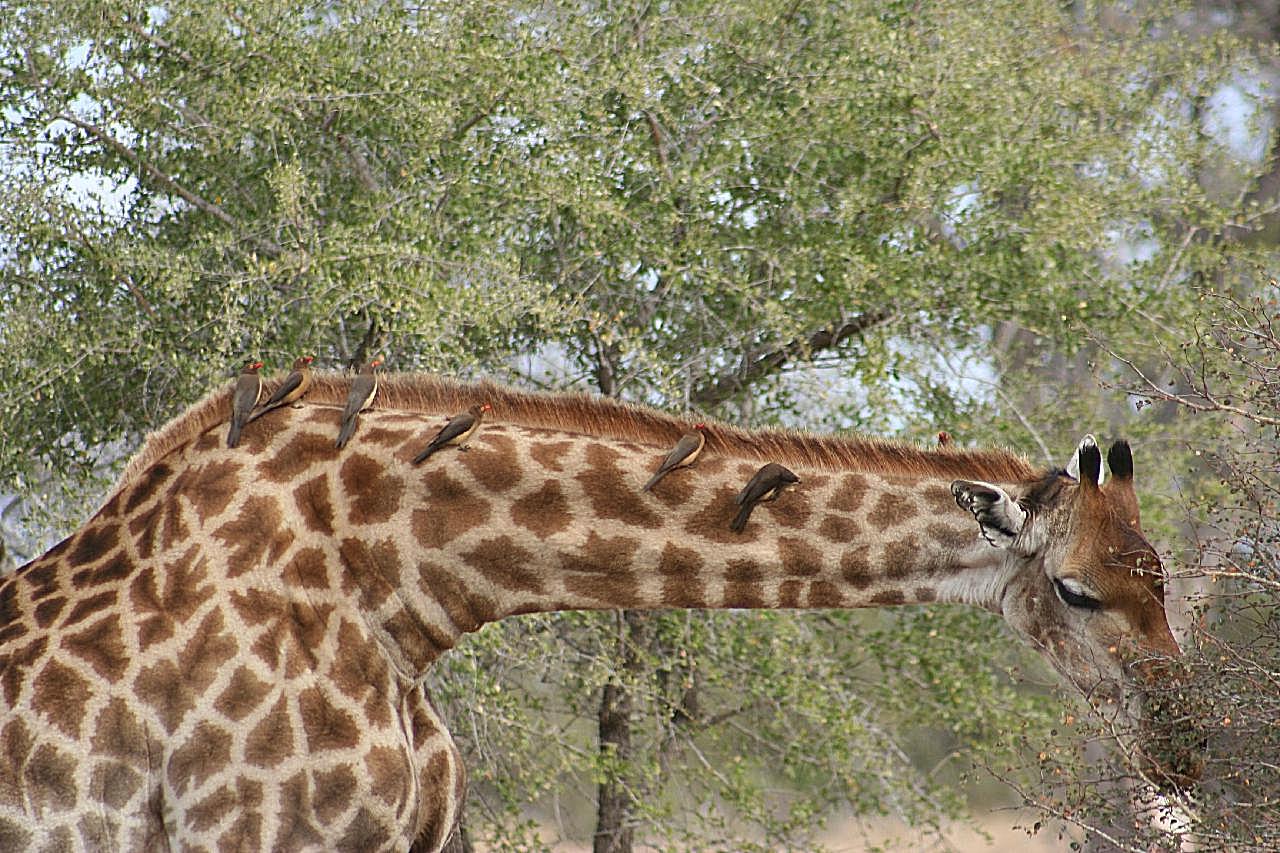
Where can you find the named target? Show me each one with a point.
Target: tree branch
(268, 247)
(721, 389)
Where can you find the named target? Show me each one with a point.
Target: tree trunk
(615, 823)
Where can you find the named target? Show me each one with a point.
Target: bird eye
(1074, 595)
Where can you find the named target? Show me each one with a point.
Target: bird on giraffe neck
(766, 485)
(247, 392)
(297, 383)
(456, 432)
(363, 389)
(684, 454)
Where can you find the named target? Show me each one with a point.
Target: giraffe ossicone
(230, 651)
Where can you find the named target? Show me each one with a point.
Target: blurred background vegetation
(1014, 221)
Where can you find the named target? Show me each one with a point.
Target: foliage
(819, 214)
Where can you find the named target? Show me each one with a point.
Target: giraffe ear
(1087, 460)
(999, 516)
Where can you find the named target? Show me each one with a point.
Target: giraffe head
(1081, 582)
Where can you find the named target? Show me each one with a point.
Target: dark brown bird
(363, 389)
(243, 399)
(456, 432)
(684, 454)
(297, 383)
(944, 439)
(766, 485)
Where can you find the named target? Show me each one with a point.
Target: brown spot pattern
(545, 511)
(114, 784)
(48, 610)
(825, 594)
(901, 558)
(617, 589)
(303, 450)
(503, 562)
(888, 596)
(389, 775)
(118, 734)
(95, 543)
(610, 491)
(938, 499)
(892, 509)
(210, 811)
(849, 494)
(743, 570)
(374, 493)
(334, 790)
(254, 536)
(60, 694)
(745, 595)
(101, 646)
(271, 740)
(203, 755)
(15, 664)
(160, 687)
(242, 694)
(50, 779)
(308, 569)
(950, 537)
(856, 568)
(314, 505)
(453, 511)
(711, 522)
(838, 528)
(90, 606)
(160, 610)
(211, 488)
(601, 554)
(495, 469)
(326, 726)
(799, 558)
(466, 608)
(549, 454)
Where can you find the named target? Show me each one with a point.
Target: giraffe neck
(535, 519)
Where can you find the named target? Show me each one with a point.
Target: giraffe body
(229, 654)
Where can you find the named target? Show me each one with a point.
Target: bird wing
(291, 382)
(358, 398)
(457, 425)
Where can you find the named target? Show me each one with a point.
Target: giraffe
(229, 654)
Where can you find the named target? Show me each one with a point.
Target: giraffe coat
(229, 652)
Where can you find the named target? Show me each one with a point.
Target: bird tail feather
(348, 430)
(740, 520)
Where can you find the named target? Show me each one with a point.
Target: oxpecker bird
(767, 484)
(456, 432)
(291, 389)
(684, 454)
(363, 389)
(243, 399)
(944, 439)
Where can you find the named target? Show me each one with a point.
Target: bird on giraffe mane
(684, 454)
(765, 485)
(247, 392)
(944, 439)
(297, 383)
(456, 432)
(363, 389)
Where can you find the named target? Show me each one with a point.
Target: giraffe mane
(599, 416)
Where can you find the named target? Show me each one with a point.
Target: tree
(768, 212)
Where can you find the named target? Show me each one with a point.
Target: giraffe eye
(1073, 594)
